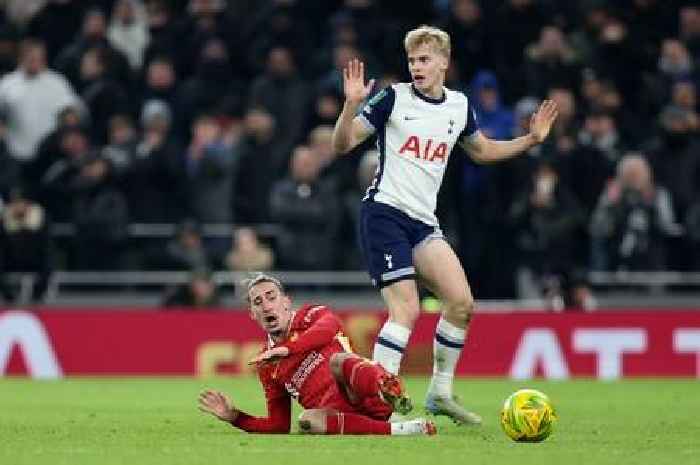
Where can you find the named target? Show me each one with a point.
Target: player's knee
(406, 315)
(461, 310)
(413, 312)
(312, 422)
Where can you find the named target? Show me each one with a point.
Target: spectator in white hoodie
(30, 99)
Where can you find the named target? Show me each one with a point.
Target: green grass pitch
(155, 421)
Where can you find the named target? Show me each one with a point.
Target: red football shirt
(314, 336)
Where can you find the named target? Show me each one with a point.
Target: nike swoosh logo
(410, 118)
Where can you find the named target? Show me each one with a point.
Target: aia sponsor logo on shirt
(428, 149)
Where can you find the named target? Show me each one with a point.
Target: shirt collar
(434, 101)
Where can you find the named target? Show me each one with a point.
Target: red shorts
(343, 401)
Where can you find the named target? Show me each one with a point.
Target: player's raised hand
(218, 404)
(270, 355)
(356, 91)
(542, 120)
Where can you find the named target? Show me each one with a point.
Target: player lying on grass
(308, 358)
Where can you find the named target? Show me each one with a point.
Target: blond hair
(428, 35)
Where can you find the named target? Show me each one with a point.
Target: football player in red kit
(308, 358)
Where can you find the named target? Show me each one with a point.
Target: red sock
(362, 376)
(353, 423)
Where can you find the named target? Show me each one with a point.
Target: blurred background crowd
(124, 113)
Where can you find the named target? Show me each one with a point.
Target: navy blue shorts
(388, 238)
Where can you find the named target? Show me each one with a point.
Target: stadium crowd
(213, 112)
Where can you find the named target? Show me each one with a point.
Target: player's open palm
(356, 91)
(218, 404)
(542, 120)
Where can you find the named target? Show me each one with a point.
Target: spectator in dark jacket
(633, 219)
(199, 292)
(593, 161)
(674, 64)
(208, 173)
(617, 52)
(282, 92)
(545, 219)
(102, 94)
(262, 161)
(212, 89)
(308, 212)
(162, 32)
(92, 34)
(152, 179)
(160, 84)
(50, 150)
(673, 156)
(184, 252)
(56, 184)
(100, 214)
(550, 61)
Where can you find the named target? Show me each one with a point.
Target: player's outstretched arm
(349, 131)
(218, 404)
(485, 150)
(278, 420)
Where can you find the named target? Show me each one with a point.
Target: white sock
(391, 342)
(447, 347)
(416, 426)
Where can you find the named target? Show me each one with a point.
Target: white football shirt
(416, 135)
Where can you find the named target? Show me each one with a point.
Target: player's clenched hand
(542, 120)
(354, 82)
(218, 404)
(270, 355)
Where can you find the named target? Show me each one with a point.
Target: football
(528, 416)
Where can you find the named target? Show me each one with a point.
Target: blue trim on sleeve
(379, 108)
(472, 126)
(381, 144)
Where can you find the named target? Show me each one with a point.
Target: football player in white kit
(417, 125)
